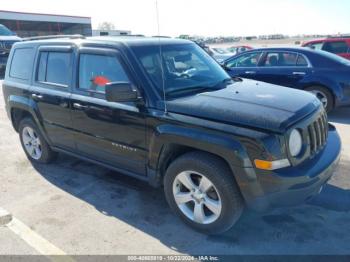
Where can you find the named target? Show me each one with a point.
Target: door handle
(38, 97)
(250, 72)
(299, 73)
(79, 106)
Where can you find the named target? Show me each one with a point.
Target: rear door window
(280, 59)
(54, 68)
(22, 63)
(337, 47)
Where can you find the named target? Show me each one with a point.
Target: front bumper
(293, 185)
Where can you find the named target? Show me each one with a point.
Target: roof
(135, 40)
(26, 16)
(333, 39)
(110, 40)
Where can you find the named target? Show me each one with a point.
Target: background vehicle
(220, 54)
(239, 49)
(7, 39)
(204, 46)
(338, 46)
(324, 74)
(216, 145)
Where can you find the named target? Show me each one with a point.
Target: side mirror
(120, 92)
(225, 67)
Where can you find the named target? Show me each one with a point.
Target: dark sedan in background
(322, 73)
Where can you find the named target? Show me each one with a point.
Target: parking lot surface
(82, 208)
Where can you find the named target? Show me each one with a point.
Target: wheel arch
(335, 92)
(172, 142)
(19, 108)
(17, 114)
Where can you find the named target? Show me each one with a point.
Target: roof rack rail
(161, 36)
(137, 35)
(45, 37)
(119, 36)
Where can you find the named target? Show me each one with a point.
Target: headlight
(295, 143)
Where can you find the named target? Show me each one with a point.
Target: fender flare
(230, 150)
(28, 105)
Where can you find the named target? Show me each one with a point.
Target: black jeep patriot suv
(164, 111)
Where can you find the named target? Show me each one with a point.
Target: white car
(220, 54)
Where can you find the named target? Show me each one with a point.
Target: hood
(9, 38)
(251, 104)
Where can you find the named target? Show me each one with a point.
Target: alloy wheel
(197, 197)
(32, 142)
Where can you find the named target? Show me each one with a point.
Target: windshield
(186, 68)
(334, 57)
(5, 31)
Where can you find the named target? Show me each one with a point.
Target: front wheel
(201, 189)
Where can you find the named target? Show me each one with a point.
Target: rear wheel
(324, 95)
(201, 189)
(33, 143)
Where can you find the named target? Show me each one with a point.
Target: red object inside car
(100, 80)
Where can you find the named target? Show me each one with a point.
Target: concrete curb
(5, 217)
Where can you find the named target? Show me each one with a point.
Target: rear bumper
(294, 185)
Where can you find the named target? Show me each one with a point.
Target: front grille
(318, 133)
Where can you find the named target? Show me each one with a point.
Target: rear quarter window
(22, 63)
(301, 61)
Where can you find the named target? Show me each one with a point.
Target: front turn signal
(271, 165)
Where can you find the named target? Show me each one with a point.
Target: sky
(203, 17)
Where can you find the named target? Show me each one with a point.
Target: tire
(31, 137)
(223, 191)
(324, 95)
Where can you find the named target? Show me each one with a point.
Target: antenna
(161, 60)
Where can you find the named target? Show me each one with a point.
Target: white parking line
(32, 238)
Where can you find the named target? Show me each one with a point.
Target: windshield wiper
(224, 83)
(220, 85)
(234, 79)
(192, 89)
(237, 79)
